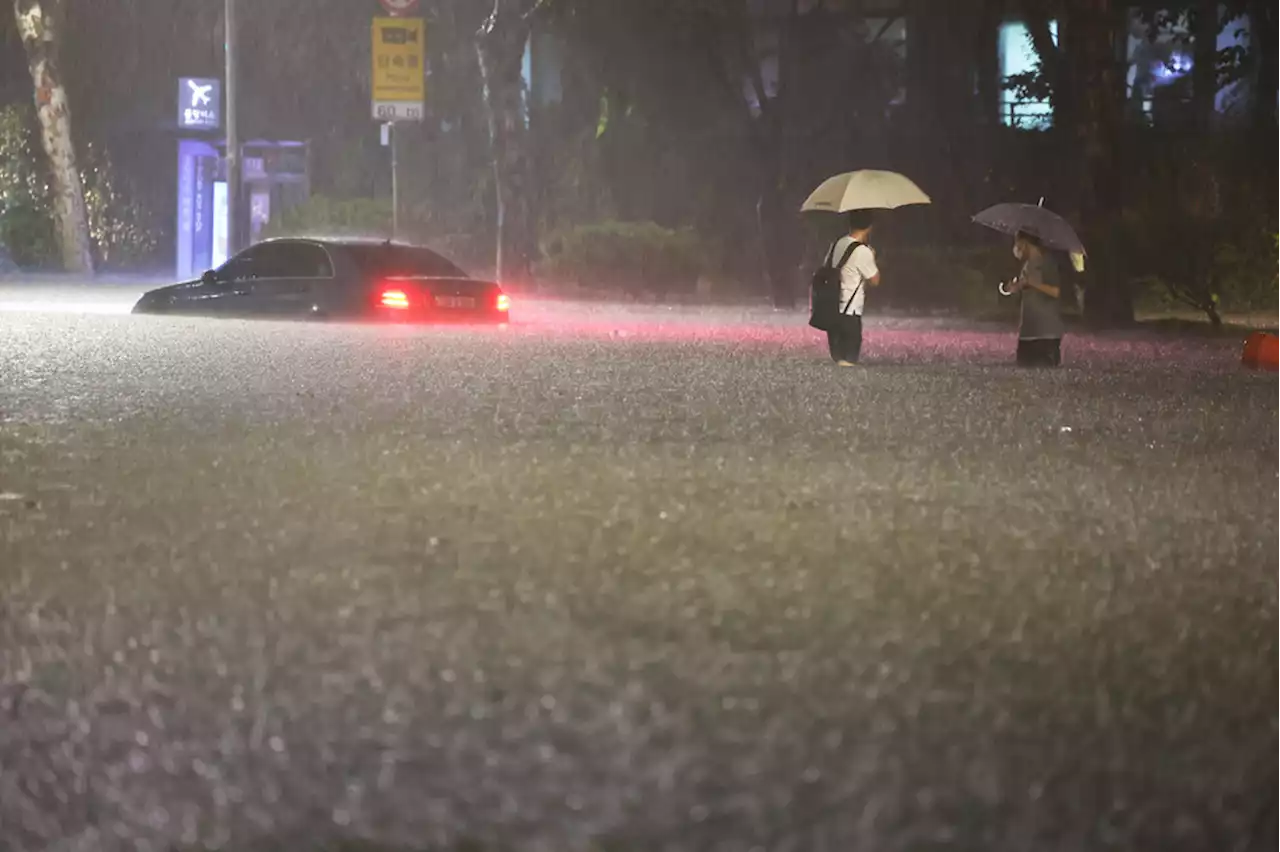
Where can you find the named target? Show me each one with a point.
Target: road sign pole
(395, 181)
(234, 188)
(398, 83)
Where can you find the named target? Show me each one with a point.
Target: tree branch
(535, 9)
(712, 59)
(884, 28)
(1051, 59)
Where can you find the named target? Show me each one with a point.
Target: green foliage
(1030, 86)
(1178, 262)
(1244, 270)
(624, 257)
(26, 228)
(122, 231)
(1147, 250)
(326, 216)
(321, 215)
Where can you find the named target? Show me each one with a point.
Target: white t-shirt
(860, 269)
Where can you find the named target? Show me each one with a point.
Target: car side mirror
(208, 277)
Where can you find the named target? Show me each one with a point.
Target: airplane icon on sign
(199, 94)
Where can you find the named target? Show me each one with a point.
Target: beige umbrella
(868, 189)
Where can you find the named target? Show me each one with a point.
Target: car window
(302, 260)
(279, 260)
(389, 261)
(250, 263)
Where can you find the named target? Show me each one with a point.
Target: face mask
(1017, 250)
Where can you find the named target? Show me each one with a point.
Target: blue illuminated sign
(196, 225)
(199, 103)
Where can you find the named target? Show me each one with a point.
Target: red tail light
(504, 302)
(395, 299)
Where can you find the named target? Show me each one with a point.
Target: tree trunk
(777, 240)
(1262, 38)
(500, 49)
(986, 58)
(1091, 103)
(39, 25)
(1062, 185)
(1204, 83)
(1201, 201)
(778, 223)
(948, 125)
(1089, 98)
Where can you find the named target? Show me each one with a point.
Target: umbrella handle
(1003, 291)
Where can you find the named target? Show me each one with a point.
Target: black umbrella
(1045, 225)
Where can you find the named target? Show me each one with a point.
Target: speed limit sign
(399, 7)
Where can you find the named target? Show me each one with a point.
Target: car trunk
(444, 298)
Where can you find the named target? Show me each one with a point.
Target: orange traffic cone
(1260, 351)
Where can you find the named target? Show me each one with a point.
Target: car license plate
(455, 302)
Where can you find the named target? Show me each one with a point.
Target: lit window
(1018, 56)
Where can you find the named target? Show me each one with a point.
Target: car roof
(365, 246)
(363, 242)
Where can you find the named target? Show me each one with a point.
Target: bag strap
(848, 254)
(844, 312)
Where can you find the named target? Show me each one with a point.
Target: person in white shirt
(844, 340)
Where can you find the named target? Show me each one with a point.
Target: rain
(637, 559)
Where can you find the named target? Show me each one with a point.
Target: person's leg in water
(853, 339)
(835, 343)
(1039, 353)
(845, 341)
(1026, 353)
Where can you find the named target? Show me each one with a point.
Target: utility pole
(234, 188)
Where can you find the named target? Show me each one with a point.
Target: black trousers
(1040, 353)
(844, 340)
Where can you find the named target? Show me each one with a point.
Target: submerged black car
(339, 279)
